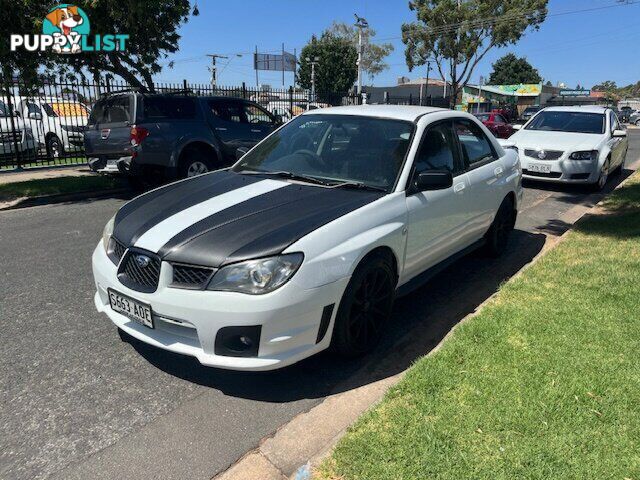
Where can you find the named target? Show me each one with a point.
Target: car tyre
(196, 162)
(365, 307)
(602, 178)
(54, 147)
(497, 237)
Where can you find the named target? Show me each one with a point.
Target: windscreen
(340, 148)
(574, 122)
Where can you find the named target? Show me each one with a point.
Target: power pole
(426, 83)
(214, 78)
(361, 24)
(313, 64)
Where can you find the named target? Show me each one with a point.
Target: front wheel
(365, 307)
(602, 178)
(497, 237)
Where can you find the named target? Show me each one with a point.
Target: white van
(57, 124)
(15, 137)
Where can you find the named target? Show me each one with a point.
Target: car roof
(578, 108)
(397, 112)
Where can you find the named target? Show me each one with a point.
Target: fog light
(238, 341)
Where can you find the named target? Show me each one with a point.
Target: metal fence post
(385, 97)
(7, 86)
(244, 90)
(291, 98)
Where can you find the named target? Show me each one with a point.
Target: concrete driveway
(77, 402)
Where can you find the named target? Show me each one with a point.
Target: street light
(360, 24)
(313, 64)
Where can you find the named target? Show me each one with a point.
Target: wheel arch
(384, 251)
(198, 145)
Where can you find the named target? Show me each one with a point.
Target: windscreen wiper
(285, 174)
(359, 186)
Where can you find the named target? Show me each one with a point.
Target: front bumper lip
(187, 321)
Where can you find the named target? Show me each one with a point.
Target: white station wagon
(307, 240)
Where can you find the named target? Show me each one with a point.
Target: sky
(582, 48)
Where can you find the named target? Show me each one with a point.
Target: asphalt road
(77, 402)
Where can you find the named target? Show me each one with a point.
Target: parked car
(634, 119)
(572, 144)
(496, 124)
(15, 137)
(174, 135)
(529, 112)
(306, 241)
(57, 124)
(625, 113)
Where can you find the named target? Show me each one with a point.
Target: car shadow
(419, 322)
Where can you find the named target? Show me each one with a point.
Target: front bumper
(187, 321)
(563, 170)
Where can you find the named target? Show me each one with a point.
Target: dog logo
(542, 154)
(66, 23)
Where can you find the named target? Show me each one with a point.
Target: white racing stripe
(154, 238)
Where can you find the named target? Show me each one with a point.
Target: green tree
(606, 86)
(457, 34)
(373, 54)
(152, 27)
(511, 70)
(336, 70)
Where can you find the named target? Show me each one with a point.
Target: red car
(497, 124)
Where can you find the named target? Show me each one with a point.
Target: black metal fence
(43, 124)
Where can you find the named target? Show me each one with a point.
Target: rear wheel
(194, 162)
(365, 307)
(497, 237)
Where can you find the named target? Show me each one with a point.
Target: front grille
(540, 174)
(8, 137)
(188, 276)
(140, 270)
(548, 154)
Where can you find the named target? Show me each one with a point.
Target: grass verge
(51, 186)
(543, 383)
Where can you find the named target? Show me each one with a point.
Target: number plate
(539, 168)
(137, 311)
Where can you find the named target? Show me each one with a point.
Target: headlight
(107, 232)
(257, 277)
(588, 155)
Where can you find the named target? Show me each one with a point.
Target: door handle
(221, 129)
(498, 171)
(458, 187)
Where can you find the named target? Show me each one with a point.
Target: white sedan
(307, 240)
(572, 144)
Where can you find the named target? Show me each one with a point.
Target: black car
(175, 135)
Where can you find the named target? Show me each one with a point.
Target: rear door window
(169, 108)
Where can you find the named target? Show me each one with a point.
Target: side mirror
(277, 119)
(433, 180)
(35, 116)
(619, 133)
(241, 152)
(516, 126)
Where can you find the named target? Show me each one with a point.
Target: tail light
(138, 134)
